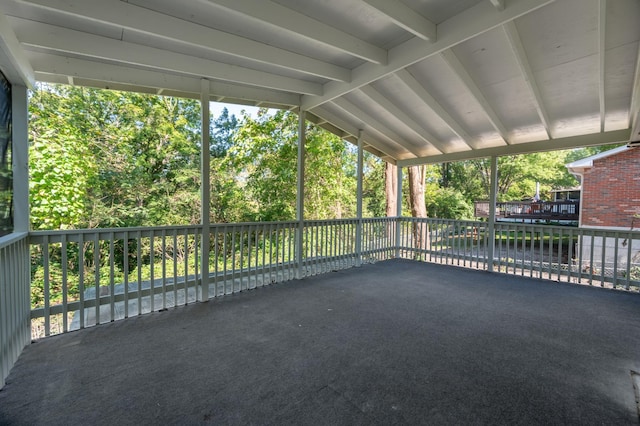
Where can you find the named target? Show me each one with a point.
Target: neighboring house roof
(577, 167)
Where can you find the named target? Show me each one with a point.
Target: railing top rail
(14, 237)
(57, 232)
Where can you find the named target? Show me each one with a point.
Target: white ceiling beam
(527, 73)
(466, 25)
(634, 109)
(382, 147)
(405, 17)
(372, 123)
(498, 4)
(13, 55)
(459, 70)
(282, 17)
(145, 21)
(59, 39)
(602, 27)
(54, 65)
(422, 133)
(321, 122)
(606, 138)
(422, 93)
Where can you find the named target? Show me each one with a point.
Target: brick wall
(611, 191)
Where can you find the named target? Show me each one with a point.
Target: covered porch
(395, 342)
(350, 321)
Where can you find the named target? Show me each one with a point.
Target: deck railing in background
(15, 327)
(445, 241)
(594, 257)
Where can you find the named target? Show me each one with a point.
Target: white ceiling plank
(406, 18)
(456, 66)
(602, 27)
(468, 24)
(417, 88)
(521, 58)
(69, 41)
(374, 124)
(392, 109)
(146, 21)
(79, 68)
(12, 53)
(606, 138)
(498, 4)
(284, 18)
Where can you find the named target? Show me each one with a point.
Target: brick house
(610, 198)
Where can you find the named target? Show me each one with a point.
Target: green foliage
(373, 196)
(264, 153)
(449, 203)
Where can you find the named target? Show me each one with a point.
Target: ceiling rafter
(48, 64)
(405, 17)
(606, 138)
(59, 39)
(602, 28)
(523, 62)
(375, 124)
(498, 4)
(284, 18)
(135, 18)
(461, 72)
(14, 53)
(426, 136)
(381, 147)
(426, 97)
(468, 24)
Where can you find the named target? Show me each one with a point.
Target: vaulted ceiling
(422, 80)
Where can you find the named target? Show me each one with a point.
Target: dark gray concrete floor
(398, 342)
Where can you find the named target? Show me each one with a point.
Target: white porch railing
(80, 278)
(583, 256)
(87, 277)
(14, 300)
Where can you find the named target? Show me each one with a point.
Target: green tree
(264, 154)
(102, 158)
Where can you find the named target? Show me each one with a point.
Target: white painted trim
(302, 137)
(20, 70)
(615, 136)
(359, 177)
(205, 191)
(493, 195)
(20, 148)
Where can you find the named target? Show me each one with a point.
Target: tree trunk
(390, 191)
(390, 188)
(418, 207)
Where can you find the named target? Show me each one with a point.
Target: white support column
(205, 190)
(493, 191)
(359, 173)
(300, 193)
(20, 153)
(398, 210)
